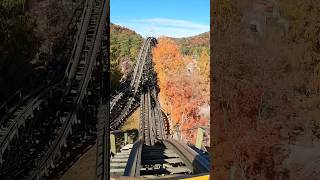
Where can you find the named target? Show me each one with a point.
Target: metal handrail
(134, 161)
(200, 164)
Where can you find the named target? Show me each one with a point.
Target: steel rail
(102, 153)
(124, 114)
(12, 129)
(146, 119)
(115, 100)
(6, 105)
(102, 158)
(126, 111)
(192, 159)
(158, 116)
(150, 121)
(78, 46)
(198, 162)
(128, 106)
(134, 161)
(136, 81)
(59, 141)
(103, 132)
(83, 28)
(138, 62)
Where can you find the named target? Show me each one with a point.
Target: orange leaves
(181, 86)
(168, 61)
(167, 56)
(204, 65)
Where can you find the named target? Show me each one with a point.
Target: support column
(199, 138)
(130, 139)
(113, 143)
(125, 138)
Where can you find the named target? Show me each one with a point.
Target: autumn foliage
(263, 95)
(184, 88)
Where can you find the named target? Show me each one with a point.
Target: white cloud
(165, 27)
(175, 23)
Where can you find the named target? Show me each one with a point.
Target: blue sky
(174, 18)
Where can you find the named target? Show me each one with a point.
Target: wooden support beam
(113, 143)
(125, 138)
(199, 138)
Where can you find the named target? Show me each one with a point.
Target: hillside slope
(30, 33)
(195, 44)
(124, 48)
(182, 66)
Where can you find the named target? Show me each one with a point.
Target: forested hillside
(30, 39)
(183, 69)
(194, 45)
(124, 48)
(18, 45)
